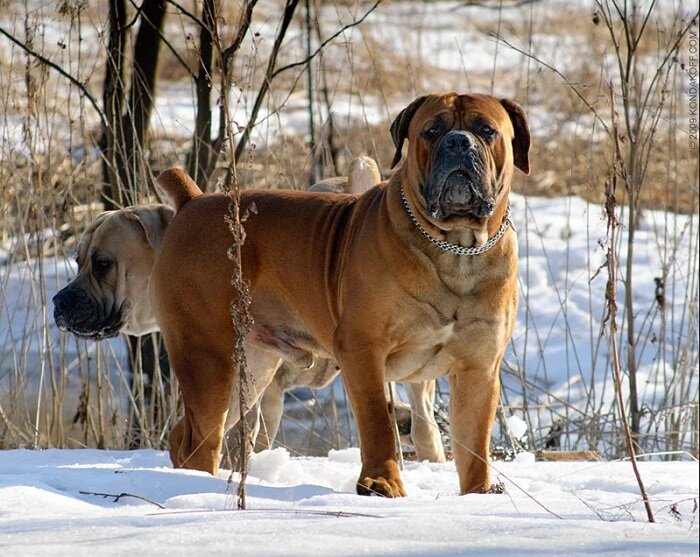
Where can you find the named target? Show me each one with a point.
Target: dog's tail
(363, 175)
(178, 185)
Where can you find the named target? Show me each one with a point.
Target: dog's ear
(399, 127)
(154, 219)
(521, 139)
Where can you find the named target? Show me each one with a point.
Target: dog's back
(192, 274)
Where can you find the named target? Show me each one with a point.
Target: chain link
(456, 248)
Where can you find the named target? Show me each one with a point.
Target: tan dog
(412, 280)
(111, 292)
(417, 416)
(363, 174)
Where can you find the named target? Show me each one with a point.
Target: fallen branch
(337, 514)
(116, 497)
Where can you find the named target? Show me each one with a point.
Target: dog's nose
(458, 141)
(62, 301)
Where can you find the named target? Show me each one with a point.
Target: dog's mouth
(103, 333)
(84, 320)
(91, 331)
(459, 195)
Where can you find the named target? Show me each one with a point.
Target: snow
(50, 504)
(307, 506)
(557, 341)
(516, 426)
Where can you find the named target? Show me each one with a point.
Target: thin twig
(325, 43)
(573, 86)
(611, 301)
(338, 514)
(117, 496)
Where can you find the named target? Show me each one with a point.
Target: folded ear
(154, 219)
(521, 139)
(399, 127)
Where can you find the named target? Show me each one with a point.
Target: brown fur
(368, 290)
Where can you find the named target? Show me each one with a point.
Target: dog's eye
(486, 131)
(432, 132)
(100, 267)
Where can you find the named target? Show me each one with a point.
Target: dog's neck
(460, 241)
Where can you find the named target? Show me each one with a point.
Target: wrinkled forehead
(460, 111)
(85, 243)
(98, 232)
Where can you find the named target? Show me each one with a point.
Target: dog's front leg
(473, 402)
(362, 368)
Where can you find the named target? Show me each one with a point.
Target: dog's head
(110, 293)
(461, 154)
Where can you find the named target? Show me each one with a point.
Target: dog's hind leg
(425, 433)
(206, 383)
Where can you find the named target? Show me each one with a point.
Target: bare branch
(326, 42)
(117, 496)
(269, 75)
(565, 79)
(170, 47)
(60, 70)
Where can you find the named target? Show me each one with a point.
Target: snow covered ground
(50, 504)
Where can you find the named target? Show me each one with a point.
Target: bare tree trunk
(201, 153)
(632, 187)
(131, 163)
(113, 101)
(314, 173)
(124, 137)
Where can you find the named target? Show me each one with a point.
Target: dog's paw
(392, 487)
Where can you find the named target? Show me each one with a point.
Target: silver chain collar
(456, 248)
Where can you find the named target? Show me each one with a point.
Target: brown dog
(412, 280)
(110, 295)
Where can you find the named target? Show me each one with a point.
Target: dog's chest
(470, 341)
(450, 334)
(425, 356)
